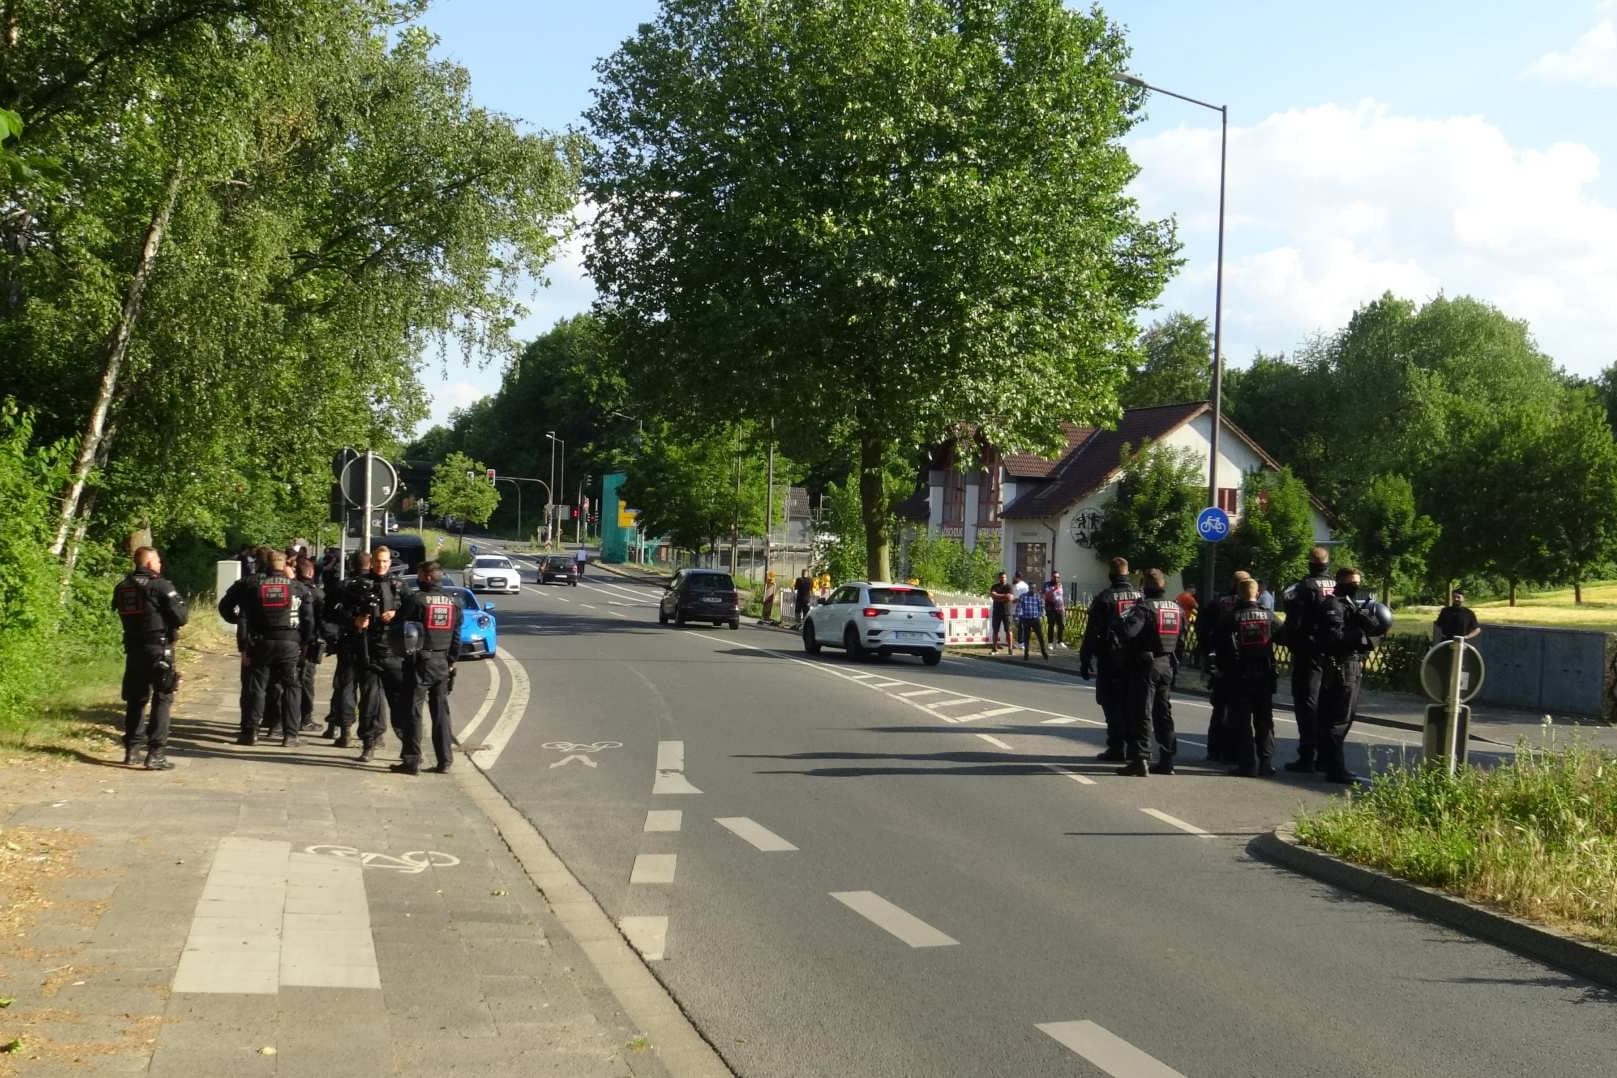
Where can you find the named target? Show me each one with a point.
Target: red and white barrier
(966, 624)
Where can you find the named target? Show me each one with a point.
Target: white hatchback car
(492, 572)
(877, 619)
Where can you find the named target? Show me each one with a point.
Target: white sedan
(493, 572)
(877, 619)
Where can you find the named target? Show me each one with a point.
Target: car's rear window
(491, 563)
(712, 582)
(900, 597)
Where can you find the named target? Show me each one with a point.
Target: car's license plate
(711, 599)
(909, 636)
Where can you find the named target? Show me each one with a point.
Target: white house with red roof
(1045, 511)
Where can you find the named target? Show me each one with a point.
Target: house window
(954, 497)
(1226, 499)
(1030, 562)
(988, 490)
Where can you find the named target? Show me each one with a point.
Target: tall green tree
(1177, 364)
(700, 489)
(874, 219)
(1576, 480)
(460, 488)
(1391, 538)
(1152, 521)
(1276, 529)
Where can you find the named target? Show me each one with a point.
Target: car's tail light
(732, 596)
(938, 614)
(871, 612)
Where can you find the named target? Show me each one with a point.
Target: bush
(1536, 836)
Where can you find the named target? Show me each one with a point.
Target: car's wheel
(810, 644)
(679, 618)
(735, 623)
(662, 616)
(932, 658)
(851, 644)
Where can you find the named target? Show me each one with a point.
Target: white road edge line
(1076, 776)
(1174, 821)
(900, 923)
(996, 742)
(487, 705)
(1106, 1050)
(754, 834)
(648, 935)
(516, 707)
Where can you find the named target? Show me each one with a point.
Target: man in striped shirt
(1030, 621)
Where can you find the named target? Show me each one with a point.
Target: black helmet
(1377, 618)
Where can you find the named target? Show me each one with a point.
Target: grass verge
(1535, 837)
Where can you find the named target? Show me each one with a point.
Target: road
(878, 868)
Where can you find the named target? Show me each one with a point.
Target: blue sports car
(479, 632)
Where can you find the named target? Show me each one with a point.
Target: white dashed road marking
(1174, 821)
(1107, 1050)
(996, 742)
(671, 770)
(653, 868)
(1078, 777)
(989, 714)
(664, 820)
(957, 701)
(920, 692)
(754, 833)
(884, 915)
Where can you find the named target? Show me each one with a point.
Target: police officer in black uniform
(1348, 628)
(1212, 621)
(152, 612)
(232, 605)
(1305, 601)
(385, 682)
(1106, 612)
(438, 615)
(315, 650)
(349, 601)
(1244, 655)
(1152, 638)
(275, 609)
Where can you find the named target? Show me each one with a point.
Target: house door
(1030, 562)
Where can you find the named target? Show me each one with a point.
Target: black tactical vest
(142, 620)
(274, 612)
(437, 619)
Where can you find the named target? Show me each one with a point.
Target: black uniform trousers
(1250, 717)
(1307, 670)
(275, 662)
(432, 677)
(1338, 701)
(307, 668)
(1221, 745)
(139, 686)
(1112, 694)
(345, 681)
(1149, 680)
(1057, 624)
(389, 683)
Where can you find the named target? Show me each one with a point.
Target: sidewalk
(281, 912)
(1501, 726)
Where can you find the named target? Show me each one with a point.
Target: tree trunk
(1577, 592)
(70, 556)
(96, 429)
(873, 505)
(1512, 591)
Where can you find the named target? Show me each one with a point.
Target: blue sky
(1445, 146)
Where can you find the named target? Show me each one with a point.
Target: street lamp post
(550, 512)
(554, 441)
(1223, 111)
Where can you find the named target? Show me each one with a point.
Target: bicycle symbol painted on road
(594, 746)
(411, 862)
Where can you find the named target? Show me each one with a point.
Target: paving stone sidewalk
(287, 912)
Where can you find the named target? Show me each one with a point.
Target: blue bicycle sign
(1213, 524)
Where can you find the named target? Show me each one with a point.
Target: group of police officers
(395, 647)
(1135, 639)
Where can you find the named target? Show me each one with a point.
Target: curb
(1373, 720)
(1588, 960)
(675, 1040)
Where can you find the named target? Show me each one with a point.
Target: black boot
(131, 756)
(290, 742)
(1303, 765)
(1111, 756)
(342, 738)
(367, 753)
(156, 761)
(1163, 766)
(402, 768)
(1266, 767)
(330, 731)
(1244, 772)
(246, 739)
(1134, 768)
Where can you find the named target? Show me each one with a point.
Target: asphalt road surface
(877, 868)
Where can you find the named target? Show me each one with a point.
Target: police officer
(1106, 612)
(152, 612)
(275, 609)
(346, 604)
(1244, 656)
(438, 615)
(1211, 623)
(1152, 637)
(384, 681)
(232, 605)
(1348, 627)
(315, 650)
(1305, 601)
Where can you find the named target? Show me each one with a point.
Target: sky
(1458, 147)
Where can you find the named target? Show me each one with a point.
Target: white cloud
(1330, 206)
(1591, 61)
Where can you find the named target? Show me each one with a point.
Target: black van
(408, 551)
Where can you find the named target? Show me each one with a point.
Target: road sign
(1436, 669)
(384, 481)
(1213, 524)
(340, 461)
(1436, 737)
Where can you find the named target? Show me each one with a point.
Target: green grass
(86, 711)
(1535, 837)
(1551, 609)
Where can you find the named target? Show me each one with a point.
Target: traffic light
(490, 475)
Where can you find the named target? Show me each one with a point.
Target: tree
(1178, 364)
(873, 220)
(1276, 528)
(1576, 478)
(460, 489)
(1152, 521)
(1391, 538)
(695, 489)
